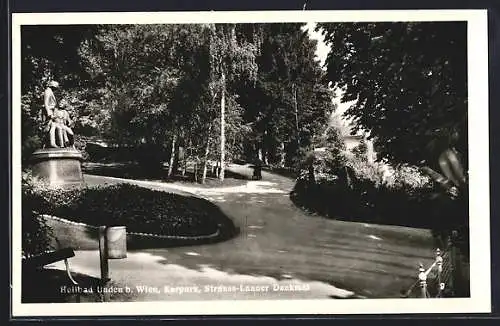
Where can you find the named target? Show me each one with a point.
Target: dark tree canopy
(49, 52)
(290, 101)
(138, 85)
(410, 83)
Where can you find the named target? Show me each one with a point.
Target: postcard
(253, 162)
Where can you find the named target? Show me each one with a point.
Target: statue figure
(49, 99)
(62, 123)
(50, 103)
(58, 119)
(55, 163)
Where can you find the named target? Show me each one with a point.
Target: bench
(41, 260)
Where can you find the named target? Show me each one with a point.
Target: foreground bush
(36, 234)
(140, 209)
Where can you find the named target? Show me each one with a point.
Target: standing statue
(50, 102)
(49, 99)
(58, 119)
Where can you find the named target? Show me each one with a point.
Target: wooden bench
(41, 260)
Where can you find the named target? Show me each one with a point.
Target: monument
(58, 163)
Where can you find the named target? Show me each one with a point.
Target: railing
(443, 278)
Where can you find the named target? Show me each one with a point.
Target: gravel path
(293, 254)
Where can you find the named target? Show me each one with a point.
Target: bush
(36, 234)
(364, 201)
(347, 186)
(140, 209)
(80, 145)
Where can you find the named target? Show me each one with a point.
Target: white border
(480, 300)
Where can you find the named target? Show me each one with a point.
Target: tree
(48, 52)
(157, 87)
(231, 58)
(409, 81)
(132, 68)
(151, 87)
(152, 81)
(290, 101)
(409, 84)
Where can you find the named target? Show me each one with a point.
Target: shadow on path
(133, 170)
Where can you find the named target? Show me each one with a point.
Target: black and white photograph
(250, 163)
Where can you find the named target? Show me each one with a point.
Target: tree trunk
(265, 148)
(187, 157)
(296, 108)
(233, 143)
(217, 169)
(222, 125)
(370, 153)
(205, 158)
(282, 154)
(172, 156)
(176, 162)
(196, 171)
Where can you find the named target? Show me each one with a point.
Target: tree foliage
(160, 87)
(290, 101)
(409, 83)
(232, 59)
(48, 52)
(137, 71)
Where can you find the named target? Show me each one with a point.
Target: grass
(133, 170)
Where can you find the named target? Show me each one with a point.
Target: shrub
(348, 186)
(36, 234)
(140, 209)
(80, 145)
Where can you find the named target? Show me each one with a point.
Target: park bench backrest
(48, 258)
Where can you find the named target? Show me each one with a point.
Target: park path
(279, 244)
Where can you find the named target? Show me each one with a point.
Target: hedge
(139, 209)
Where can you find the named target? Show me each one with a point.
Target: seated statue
(58, 119)
(60, 124)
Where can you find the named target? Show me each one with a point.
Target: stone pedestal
(58, 166)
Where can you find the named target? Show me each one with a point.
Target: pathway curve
(279, 244)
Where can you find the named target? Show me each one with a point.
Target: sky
(322, 49)
(321, 53)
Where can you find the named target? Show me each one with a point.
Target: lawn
(133, 170)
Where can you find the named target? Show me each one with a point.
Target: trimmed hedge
(139, 209)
